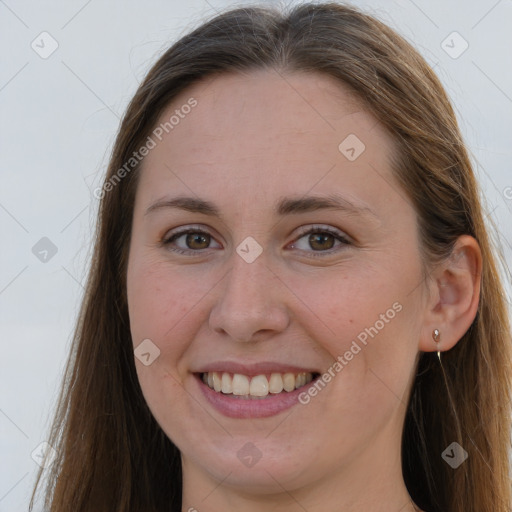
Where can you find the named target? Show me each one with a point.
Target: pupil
(321, 238)
(196, 237)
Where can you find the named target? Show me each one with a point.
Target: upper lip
(252, 369)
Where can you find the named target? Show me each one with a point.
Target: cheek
(158, 299)
(349, 305)
(160, 305)
(370, 320)
(164, 305)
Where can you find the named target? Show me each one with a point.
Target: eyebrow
(285, 205)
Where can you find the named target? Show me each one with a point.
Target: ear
(454, 294)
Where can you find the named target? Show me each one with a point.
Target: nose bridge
(247, 278)
(249, 301)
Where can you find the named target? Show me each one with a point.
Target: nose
(250, 305)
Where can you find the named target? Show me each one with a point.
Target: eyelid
(181, 230)
(308, 228)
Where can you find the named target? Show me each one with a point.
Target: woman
(293, 303)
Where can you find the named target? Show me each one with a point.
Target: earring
(436, 335)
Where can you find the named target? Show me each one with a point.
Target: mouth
(257, 387)
(238, 395)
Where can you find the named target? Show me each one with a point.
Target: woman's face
(252, 291)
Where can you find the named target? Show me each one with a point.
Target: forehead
(268, 102)
(264, 132)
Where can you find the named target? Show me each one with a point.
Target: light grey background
(59, 117)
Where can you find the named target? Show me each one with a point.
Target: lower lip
(234, 407)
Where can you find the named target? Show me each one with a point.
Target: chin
(247, 469)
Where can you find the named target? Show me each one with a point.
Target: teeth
(217, 383)
(240, 384)
(257, 386)
(227, 383)
(275, 384)
(289, 381)
(302, 379)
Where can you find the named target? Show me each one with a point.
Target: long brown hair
(111, 453)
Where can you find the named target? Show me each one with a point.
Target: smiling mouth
(256, 387)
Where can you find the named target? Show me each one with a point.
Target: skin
(251, 139)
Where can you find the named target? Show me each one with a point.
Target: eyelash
(316, 229)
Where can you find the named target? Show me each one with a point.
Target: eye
(195, 239)
(322, 240)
